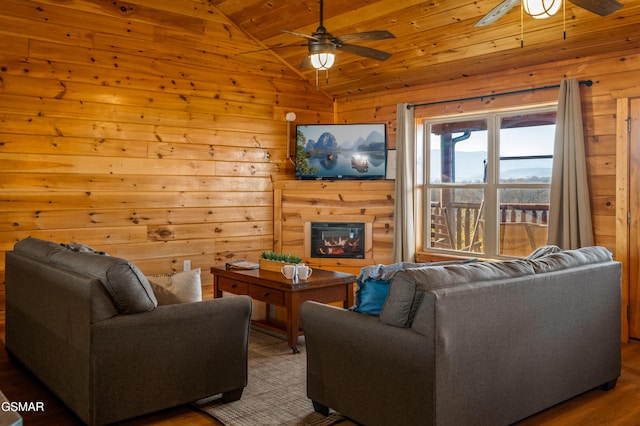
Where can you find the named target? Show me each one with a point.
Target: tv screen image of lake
(344, 163)
(330, 157)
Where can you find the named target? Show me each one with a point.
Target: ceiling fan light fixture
(541, 9)
(322, 53)
(322, 61)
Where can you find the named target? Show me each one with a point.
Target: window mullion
(491, 192)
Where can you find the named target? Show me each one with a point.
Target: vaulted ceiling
(435, 40)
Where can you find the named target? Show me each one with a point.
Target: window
(487, 182)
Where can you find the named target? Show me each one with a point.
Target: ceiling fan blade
(367, 52)
(497, 12)
(365, 36)
(307, 36)
(599, 7)
(306, 62)
(272, 48)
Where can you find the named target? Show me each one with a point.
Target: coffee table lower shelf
(278, 327)
(273, 289)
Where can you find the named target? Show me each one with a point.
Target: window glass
(456, 220)
(523, 219)
(458, 151)
(487, 182)
(526, 147)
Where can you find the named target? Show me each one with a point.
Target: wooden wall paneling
(108, 81)
(42, 201)
(622, 244)
(84, 165)
(44, 30)
(43, 12)
(11, 45)
(141, 131)
(209, 230)
(277, 219)
(41, 144)
(605, 228)
(600, 145)
(92, 236)
(34, 182)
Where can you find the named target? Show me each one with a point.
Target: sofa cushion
(571, 258)
(37, 248)
(125, 283)
(544, 251)
(181, 287)
(408, 286)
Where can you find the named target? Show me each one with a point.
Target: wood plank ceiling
(435, 40)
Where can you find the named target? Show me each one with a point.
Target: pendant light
(541, 9)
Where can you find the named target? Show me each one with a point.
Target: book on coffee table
(242, 264)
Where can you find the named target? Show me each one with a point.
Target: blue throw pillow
(371, 295)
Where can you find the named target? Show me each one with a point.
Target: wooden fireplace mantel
(297, 203)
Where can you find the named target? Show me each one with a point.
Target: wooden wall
(139, 129)
(613, 76)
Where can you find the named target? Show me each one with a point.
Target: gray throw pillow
(397, 307)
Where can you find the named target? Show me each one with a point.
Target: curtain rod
(587, 83)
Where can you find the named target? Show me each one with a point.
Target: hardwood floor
(619, 406)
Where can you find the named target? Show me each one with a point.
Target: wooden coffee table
(274, 289)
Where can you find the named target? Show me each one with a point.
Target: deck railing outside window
(460, 226)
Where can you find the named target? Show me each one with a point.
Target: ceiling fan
(599, 7)
(323, 45)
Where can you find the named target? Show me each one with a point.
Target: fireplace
(337, 240)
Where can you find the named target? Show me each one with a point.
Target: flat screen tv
(341, 151)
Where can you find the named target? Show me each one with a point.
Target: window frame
(491, 187)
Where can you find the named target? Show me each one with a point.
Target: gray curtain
(404, 248)
(569, 210)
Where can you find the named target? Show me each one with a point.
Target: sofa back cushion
(126, 284)
(409, 286)
(570, 258)
(37, 249)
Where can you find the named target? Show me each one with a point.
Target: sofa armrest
(171, 355)
(356, 364)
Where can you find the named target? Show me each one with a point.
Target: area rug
(276, 392)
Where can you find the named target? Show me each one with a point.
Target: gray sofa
(488, 343)
(88, 326)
